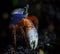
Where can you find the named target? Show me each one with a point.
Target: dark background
(43, 15)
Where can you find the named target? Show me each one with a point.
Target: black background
(6, 6)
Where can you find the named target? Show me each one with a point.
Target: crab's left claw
(33, 38)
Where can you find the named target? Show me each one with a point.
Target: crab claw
(33, 38)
